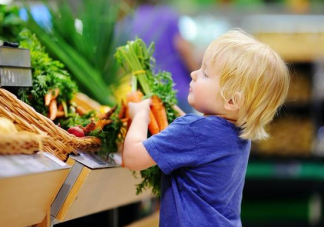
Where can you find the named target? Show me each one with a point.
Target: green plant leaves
(83, 39)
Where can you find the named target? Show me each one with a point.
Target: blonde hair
(252, 76)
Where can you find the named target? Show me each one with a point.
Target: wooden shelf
(26, 197)
(94, 190)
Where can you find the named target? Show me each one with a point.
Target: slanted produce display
(49, 108)
(136, 58)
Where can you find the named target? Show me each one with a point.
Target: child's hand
(141, 108)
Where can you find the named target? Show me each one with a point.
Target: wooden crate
(26, 198)
(94, 190)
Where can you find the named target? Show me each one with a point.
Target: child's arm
(135, 156)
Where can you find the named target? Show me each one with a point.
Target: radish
(77, 131)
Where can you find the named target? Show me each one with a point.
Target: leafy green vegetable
(151, 178)
(83, 39)
(47, 75)
(74, 119)
(10, 23)
(111, 135)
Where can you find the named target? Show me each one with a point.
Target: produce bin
(28, 185)
(93, 186)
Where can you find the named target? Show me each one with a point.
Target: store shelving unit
(43, 191)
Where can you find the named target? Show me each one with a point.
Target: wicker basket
(59, 142)
(21, 143)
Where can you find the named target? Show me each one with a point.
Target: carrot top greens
(137, 59)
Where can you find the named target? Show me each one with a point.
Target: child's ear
(233, 104)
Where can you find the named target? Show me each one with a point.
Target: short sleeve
(174, 147)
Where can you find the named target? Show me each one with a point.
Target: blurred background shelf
(283, 192)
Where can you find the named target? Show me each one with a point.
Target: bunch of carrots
(50, 100)
(136, 59)
(55, 109)
(158, 116)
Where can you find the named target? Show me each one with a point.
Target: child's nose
(193, 75)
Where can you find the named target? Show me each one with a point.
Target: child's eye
(205, 75)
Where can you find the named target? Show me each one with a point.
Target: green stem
(134, 83)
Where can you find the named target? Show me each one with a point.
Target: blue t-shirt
(204, 162)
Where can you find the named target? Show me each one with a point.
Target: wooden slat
(73, 194)
(98, 190)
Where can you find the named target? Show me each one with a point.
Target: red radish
(78, 132)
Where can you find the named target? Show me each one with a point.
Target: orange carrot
(60, 113)
(124, 120)
(153, 125)
(50, 95)
(52, 109)
(102, 123)
(80, 110)
(56, 92)
(90, 127)
(60, 108)
(159, 112)
(48, 98)
(108, 114)
(136, 96)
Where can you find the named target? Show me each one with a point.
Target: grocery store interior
(284, 185)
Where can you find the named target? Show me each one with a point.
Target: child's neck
(233, 121)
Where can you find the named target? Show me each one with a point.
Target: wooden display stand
(91, 190)
(28, 185)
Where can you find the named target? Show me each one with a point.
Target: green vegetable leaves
(47, 75)
(111, 134)
(151, 178)
(83, 39)
(10, 23)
